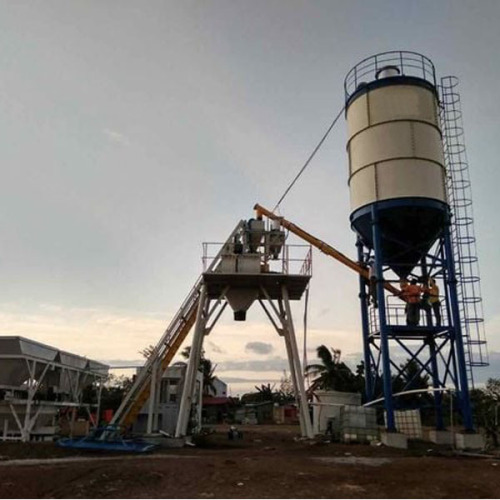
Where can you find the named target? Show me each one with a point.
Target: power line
(316, 149)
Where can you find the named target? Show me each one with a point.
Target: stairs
(167, 346)
(163, 354)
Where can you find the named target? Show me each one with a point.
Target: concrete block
(441, 437)
(469, 441)
(394, 440)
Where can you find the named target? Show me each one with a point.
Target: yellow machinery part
(130, 415)
(321, 245)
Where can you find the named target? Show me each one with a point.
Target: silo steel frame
(444, 361)
(442, 352)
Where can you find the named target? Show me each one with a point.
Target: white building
(166, 407)
(220, 388)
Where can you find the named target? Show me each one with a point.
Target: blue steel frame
(443, 361)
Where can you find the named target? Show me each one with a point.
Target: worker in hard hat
(411, 294)
(425, 303)
(434, 300)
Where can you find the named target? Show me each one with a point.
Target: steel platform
(296, 284)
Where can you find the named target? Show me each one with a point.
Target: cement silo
(400, 181)
(396, 162)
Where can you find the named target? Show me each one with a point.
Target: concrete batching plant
(410, 210)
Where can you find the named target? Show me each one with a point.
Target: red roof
(213, 401)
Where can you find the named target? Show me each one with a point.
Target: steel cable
(311, 156)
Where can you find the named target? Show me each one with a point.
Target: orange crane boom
(321, 245)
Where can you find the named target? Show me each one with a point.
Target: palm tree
(331, 374)
(207, 368)
(265, 393)
(208, 376)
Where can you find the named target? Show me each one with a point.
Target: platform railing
(293, 259)
(408, 63)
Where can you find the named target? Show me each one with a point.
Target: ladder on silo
(166, 348)
(462, 228)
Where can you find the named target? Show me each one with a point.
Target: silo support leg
(384, 340)
(152, 399)
(365, 326)
(306, 424)
(438, 397)
(192, 368)
(293, 374)
(457, 333)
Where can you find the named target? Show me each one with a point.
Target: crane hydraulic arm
(322, 246)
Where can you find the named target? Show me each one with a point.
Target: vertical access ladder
(462, 228)
(165, 350)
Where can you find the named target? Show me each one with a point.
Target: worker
(372, 281)
(434, 300)
(425, 302)
(411, 294)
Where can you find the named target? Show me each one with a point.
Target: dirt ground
(269, 462)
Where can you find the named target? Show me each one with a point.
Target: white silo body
(395, 147)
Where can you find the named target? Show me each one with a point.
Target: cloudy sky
(131, 132)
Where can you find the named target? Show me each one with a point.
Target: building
(165, 410)
(220, 388)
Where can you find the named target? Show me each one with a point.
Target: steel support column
(438, 396)
(369, 381)
(457, 333)
(306, 426)
(384, 341)
(192, 367)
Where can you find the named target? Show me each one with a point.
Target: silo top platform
(396, 65)
(296, 284)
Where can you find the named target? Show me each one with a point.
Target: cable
(304, 358)
(310, 158)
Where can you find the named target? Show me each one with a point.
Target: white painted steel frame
(74, 377)
(283, 323)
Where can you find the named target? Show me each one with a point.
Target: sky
(131, 132)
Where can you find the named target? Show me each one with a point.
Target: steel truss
(278, 311)
(437, 351)
(25, 405)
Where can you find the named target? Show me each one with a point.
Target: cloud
(115, 136)
(482, 374)
(255, 381)
(492, 328)
(130, 363)
(268, 365)
(97, 334)
(117, 336)
(259, 347)
(215, 348)
(324, 312)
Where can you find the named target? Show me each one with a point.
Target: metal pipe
(321, 245)
(412, 391)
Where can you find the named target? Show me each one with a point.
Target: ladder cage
(463, 237)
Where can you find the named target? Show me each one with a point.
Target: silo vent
(387, 72)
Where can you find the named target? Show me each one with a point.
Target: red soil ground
(267, 463)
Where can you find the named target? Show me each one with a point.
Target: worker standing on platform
(425, 303)
(411, 294)
(434, 300)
